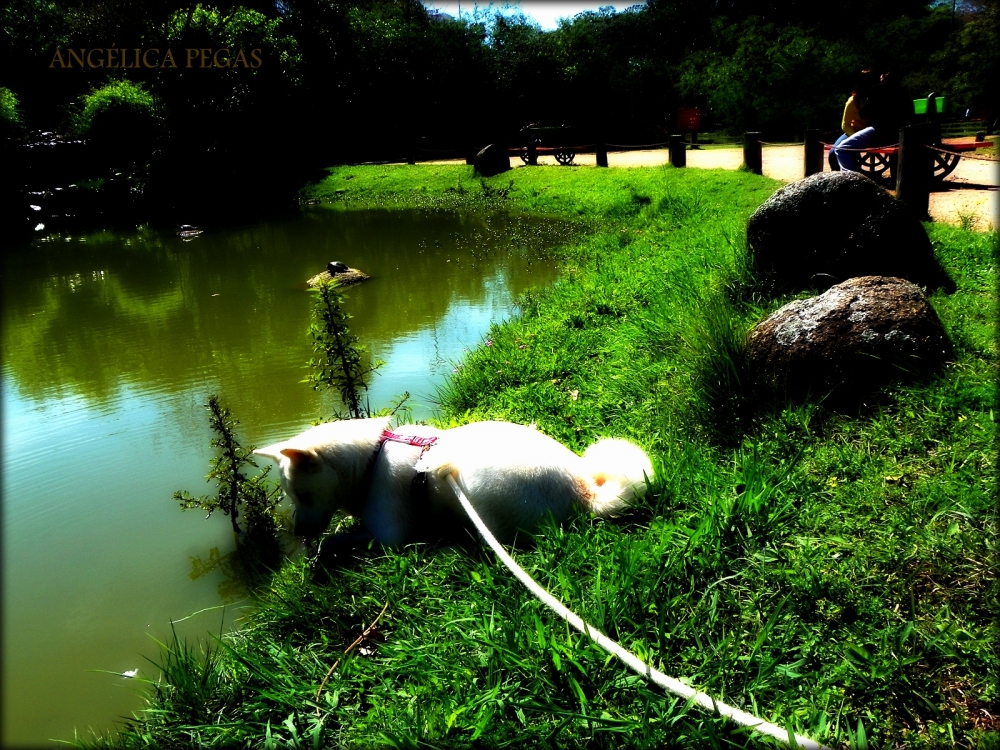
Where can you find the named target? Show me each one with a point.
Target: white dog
(396, 482)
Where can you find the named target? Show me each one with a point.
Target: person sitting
(888, 109)
(852, 120)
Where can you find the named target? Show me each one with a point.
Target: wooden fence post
(602, 154)
(678, 156)
(915, 167)
(752, 159)
(813, 152)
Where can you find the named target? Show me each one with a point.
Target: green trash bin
(920, 105)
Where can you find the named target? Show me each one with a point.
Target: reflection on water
(111, 344)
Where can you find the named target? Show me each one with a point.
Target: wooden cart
(536, 143)
(880, 163)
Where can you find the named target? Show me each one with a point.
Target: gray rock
(834, 226)
(855, 337)
(491, 160)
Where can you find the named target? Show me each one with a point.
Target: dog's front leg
(389, 511)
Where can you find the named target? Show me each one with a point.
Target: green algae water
(112, 343)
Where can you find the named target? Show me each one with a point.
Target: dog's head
(323, 470)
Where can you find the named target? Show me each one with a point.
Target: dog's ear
(302, 460)
(271, 451)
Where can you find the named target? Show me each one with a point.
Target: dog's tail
(620, 471)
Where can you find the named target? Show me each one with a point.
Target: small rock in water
(341, 272)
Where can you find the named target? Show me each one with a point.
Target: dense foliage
(246, 99)
(10, 117)
(122, 120)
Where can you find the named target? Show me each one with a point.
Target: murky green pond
(111, 344)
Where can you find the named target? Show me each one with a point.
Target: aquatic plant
(256, 496)
(339, 361)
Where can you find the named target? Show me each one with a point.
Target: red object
(689, 118)
(948, 146)
(425, 442)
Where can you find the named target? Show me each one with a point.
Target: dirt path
(978, 206)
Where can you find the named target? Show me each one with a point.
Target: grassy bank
(832, 572)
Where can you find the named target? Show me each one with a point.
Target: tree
(761, 76)
(974, 53)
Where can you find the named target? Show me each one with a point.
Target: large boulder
(856, 336)
(834, 226)
(492, 160)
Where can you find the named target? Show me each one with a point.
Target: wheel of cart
(944, 164)
(565, 156)
(880, 163)
(534, 135)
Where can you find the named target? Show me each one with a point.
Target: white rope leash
(637, 665)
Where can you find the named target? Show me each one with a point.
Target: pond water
(112, 343)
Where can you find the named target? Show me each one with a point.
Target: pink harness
(420, 442)
(418, 488)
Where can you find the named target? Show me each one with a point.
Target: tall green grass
(834, 572)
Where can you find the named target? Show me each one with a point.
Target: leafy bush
(11, 123)
(121, 117)
(338, 362)
(256, 496)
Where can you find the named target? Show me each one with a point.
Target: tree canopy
(339, 80)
